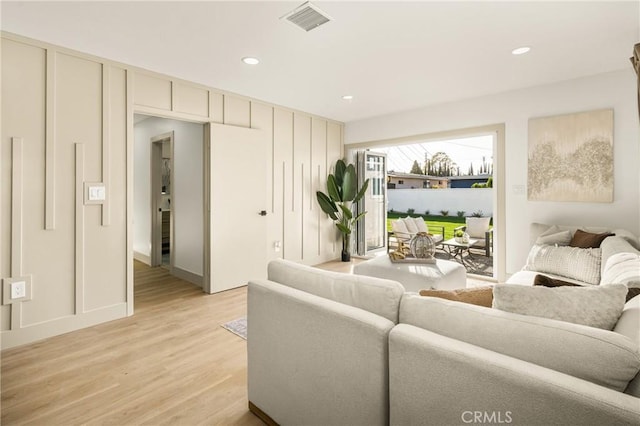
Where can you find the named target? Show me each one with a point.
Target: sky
(463, 152)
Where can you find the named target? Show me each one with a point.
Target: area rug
(237, 327)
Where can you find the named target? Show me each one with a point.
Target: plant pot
(346, 248)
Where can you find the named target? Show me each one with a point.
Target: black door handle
(263, 213)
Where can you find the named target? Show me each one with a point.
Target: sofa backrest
(535, 229)
(603, 357)
(379, 296)
(620, 262)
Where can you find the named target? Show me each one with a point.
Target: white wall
(469, 200)
(186, 199)
(615, 90)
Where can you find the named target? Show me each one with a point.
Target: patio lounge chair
(403, 229)
(479, 228)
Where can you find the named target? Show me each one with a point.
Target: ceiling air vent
(307, 16)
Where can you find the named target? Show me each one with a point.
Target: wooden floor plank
(170, 363)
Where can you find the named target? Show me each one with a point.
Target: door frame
(499, 204)
(132, 110)
(156, 199)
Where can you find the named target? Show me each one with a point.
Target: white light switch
(518, 189)
(97, 193)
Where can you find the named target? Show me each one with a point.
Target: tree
(416, 169)
(440, 164)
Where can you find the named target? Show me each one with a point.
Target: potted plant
(342, 195)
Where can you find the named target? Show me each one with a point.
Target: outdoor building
(467, 181)
(397, 180)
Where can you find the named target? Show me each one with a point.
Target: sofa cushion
(477, 226)
(629, 325)
(553, 282)
(536, 229)
(612, 246)
(481, 296)
(410, 224)
(561, 238)
(400, 229)
(599, 306)
(528, 277)
(421, 225)
(599, 356)
(376, 295)
(571, 262)
(622, 268)
(585, 239)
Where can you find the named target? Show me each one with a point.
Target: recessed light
(347, 97)
(520, 50)
(250, 61)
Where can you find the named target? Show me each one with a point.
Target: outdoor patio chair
(479, 228)
(403, 229)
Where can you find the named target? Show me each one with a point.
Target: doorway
(425, 173)
(161, 217)
(168, 195)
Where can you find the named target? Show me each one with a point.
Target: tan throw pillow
(594, 306)
(481, 296)
(584, 239)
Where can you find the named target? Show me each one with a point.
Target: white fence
(469, 200)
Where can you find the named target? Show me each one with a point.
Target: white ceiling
(391, 56)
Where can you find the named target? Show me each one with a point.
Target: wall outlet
(18, 290)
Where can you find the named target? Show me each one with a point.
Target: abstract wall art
(571, 157)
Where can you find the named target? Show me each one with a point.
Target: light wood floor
(170, 363)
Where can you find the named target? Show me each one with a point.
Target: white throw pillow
(562, 238)
(411, 225)
(421, 225)
(599, 306)
(477, 226)
(571, 262)
(400, 229)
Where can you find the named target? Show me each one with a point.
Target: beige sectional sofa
(327, 348)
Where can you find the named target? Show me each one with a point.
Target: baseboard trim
(187, 276)
(261, 415)
(43, 330)
(140, 257)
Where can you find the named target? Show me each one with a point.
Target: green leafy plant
(411, 211)
(444, 212)
(426, 212)
(338, 203)
(477, 213)
(459, 233)
(460, 213)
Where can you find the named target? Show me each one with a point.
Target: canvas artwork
(571, 157)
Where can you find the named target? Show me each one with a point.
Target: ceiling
(391, 56)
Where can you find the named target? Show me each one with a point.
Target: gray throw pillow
(599, 306)
(571, 262)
